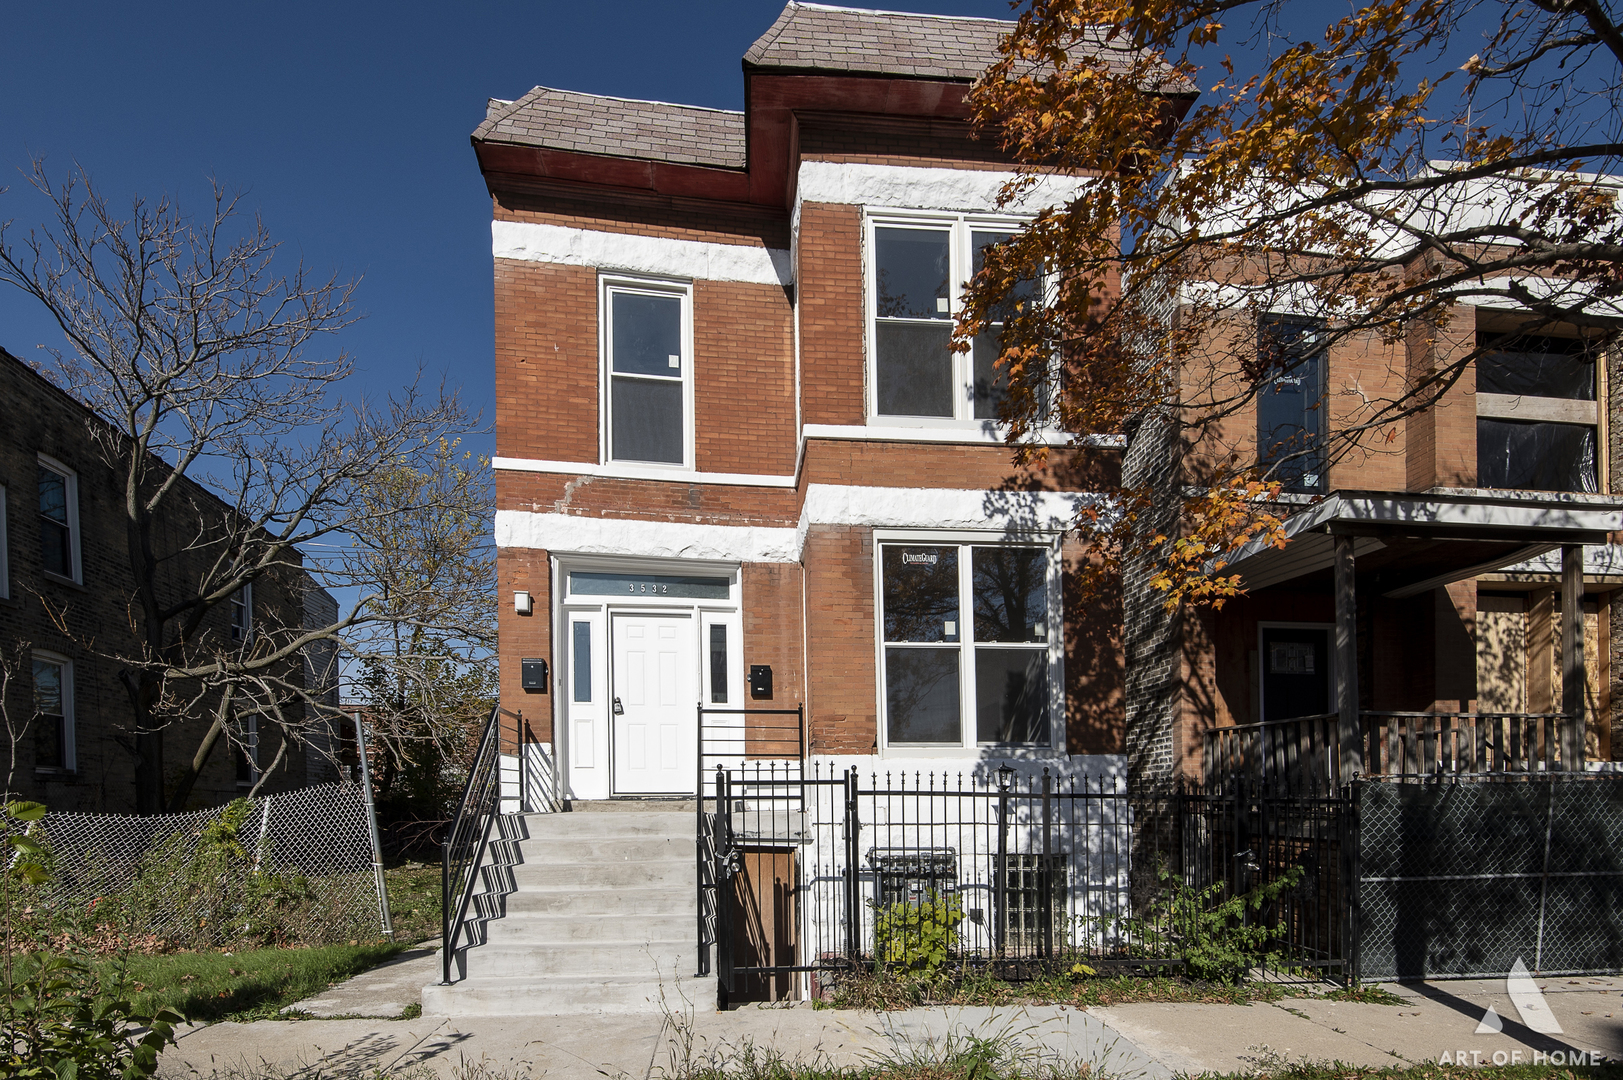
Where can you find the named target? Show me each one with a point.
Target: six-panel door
(654, 737)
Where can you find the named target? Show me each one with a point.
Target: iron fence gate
(1463, 878)
(1243, 834)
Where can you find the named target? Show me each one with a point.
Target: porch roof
(1411, 542)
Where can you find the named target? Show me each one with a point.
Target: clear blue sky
(347, 124)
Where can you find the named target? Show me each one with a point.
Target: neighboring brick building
(1457, 525)
(65, 591)
(730, 433)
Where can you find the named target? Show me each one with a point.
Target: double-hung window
(242, 614)
(648, 372)
(248, 754)
(1537, 419)
(918, 270)
(1290, 403)
(53, 712)
(58, 519)
(967, 634)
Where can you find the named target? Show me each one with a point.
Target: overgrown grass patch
(886, 992)
(414, 900)
(253, 985)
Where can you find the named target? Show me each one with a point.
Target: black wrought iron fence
(466, 839)
(1292, 852)
(824, 870)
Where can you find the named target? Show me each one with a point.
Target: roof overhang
(1411, 543)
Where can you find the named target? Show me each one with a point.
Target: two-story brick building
(65, 595)
(731, 435)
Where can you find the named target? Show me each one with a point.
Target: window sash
(959, 388)
(936, 669)
(647, 411)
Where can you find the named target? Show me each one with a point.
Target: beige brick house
(65, 590)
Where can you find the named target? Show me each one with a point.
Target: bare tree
(237, 459)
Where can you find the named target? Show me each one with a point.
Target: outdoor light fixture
(522, 602)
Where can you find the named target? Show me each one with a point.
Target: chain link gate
(1462, 877)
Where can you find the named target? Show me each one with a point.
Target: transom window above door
(647, 368)
(917, 272)
(968, 632)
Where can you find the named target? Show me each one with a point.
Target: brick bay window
(1290, 412)
(647, 369)
(967, 650)
(1537, 419)
(917, 271)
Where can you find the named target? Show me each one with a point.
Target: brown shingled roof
(817, 37)
(619, 127)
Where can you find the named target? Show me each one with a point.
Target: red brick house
(730, 434)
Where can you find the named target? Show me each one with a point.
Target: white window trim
(611, 283)
(5, 548)
(962, 227)
(247, 607)
(968, 744)
(72, 487)
(250, 750)
(70, 747)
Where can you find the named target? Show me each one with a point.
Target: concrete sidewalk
(1152, 1041)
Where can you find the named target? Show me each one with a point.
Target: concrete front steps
(591, 911)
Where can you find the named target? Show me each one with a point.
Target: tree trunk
(188, 777)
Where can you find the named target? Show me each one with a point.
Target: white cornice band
(621, 471)
(918, 188)
(1008, 513)
(656, 255)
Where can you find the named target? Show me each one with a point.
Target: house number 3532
(633, 587)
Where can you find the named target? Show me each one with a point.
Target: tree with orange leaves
(1378, 176)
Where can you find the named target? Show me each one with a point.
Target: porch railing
(1429, 744)
(1299, 753)
(465, 840)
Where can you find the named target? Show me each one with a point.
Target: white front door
(654, 731)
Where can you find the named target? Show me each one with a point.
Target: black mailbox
(533, 675)
(760, 680)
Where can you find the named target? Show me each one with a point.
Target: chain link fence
(1463, 879)
(287, 869)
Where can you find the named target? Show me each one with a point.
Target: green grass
(891, 992)
(250, 985)
(414, 901)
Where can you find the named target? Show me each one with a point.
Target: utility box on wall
(532, 675)
(760, 680)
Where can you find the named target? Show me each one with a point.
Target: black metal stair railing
(466, 839)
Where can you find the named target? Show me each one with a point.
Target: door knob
(619, 709)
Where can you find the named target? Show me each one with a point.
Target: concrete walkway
(1150, 1041)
